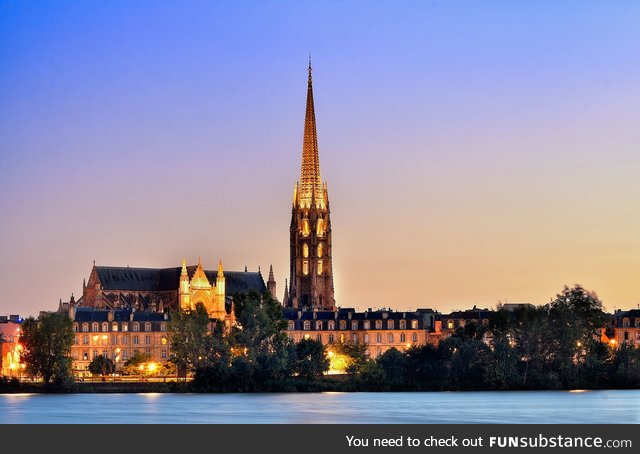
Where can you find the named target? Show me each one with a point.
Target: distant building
(10, 364)
(626, 327)
(379, 330)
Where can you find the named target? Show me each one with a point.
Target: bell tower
(311, 269)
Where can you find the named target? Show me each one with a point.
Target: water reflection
(575, 406)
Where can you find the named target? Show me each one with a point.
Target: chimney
(110, 315)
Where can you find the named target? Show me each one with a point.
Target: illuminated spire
(220, 272)
(310, 180)
(184, 267)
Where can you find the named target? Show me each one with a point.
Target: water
(614, 406)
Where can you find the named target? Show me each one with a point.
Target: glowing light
(408, 345)
(306, 336)
(12, 366)
(330, 353)
(579, 344)
(105, 337)
(152, 367)
(613, 342)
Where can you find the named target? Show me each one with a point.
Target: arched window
(305, 227)
(332, 325)
(305, 267)
(625, 322)
(403, 324)
(390, 324)
(307, 325)
(320, 250)
(147, 326)
(125, 326)
(75, 327)
(319, 267)
(94, 327)
(318, 325)
(343, 324)
(354, 325)
(85, 327)
(366, 324)
(292, 325)
(414, 324)
(136, 326)
(378, 324)
(114, 326)
(105, 327)
(320, 228)
(305, 250)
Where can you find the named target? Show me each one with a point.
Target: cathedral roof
(168, 279)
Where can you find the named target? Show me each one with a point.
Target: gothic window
(307, 325)
(414, 324)
(305, 267)
(366, 324)
(354, 325)
(378, 324)
(403, 324)
(105, 326)
(147, 326)
(305, 250)
(390, 324)
(320, 228)
(320, 250)
(305, 227)
(319, 267)
(332, 325)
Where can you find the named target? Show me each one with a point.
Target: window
(354, 337)
(105, 353)
(114, 326)
(379, 338)
(354, 325)
(85, 339)
(75, 327)
(306, 325)
(320, 250)
(319, 267)
(403, 338)
(147, 340)
(147, 326)
(332, 325)
(305, 227)
(125, 326)
(320, 229)
(331, 338)
(390, 337)
(626, 335)
(366, 338)
(449, 324)
(136, 326)
(305, 267)
(75, 340)
(414, 324)
(390, 324)
(94, 327)
(292, 325)
(378, 324)
(163, 341)
(319, 338)
(163, 355)
(125, 340)
(105, 327)
(85, 355)
(403, 324)
(114, 339)
(125, 355)
(343, 324)
(163, 326)
(95, 353)
(85, 327)
(366, 324)
(136, 340)
(318, 325)
(147, 352)
(414, 337)
(305, 250)
(625, 323)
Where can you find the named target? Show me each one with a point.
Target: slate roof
(168, 279)
(90, 314)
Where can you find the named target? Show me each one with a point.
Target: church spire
(310, 180)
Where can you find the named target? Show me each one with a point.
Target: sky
(475, 152)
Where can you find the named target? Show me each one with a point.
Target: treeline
(555, 346)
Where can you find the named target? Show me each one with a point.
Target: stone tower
(311, 278)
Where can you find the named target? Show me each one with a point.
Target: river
(611, 406)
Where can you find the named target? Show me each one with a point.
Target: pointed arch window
(305, 250)
(305, 267)
(320, 250)
(305, 227)
(320, 227)
(319, 267)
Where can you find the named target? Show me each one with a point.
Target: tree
(135, 364)
(312, 360)
(46, 343)
(348, 356)
(190, 338)
(394, 365)
(101, 365)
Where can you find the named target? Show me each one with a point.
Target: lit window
(305, 227)
(164, 341)
(307, 325)
(414, 324)
(305, 250)
(114, 326)
(320, 229)
(318, 325)
(449, 324)
(105, 327)
(332, 325)
(305, 267)
(319, 267)
(125, 326)
(320, 250)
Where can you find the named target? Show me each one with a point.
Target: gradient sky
(475, 152)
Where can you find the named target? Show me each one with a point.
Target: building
(311, 268)
(380, 330)
(626, 327)
(10, 365)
